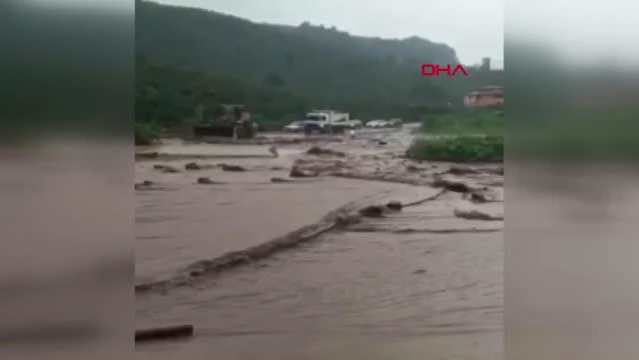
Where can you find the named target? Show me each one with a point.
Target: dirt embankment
(465, 193)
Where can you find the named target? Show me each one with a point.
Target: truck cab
(317, 117)
(325, 120)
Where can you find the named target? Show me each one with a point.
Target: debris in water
(395, 205)
(166, 168)
(372, 211)
(297, 172)
(228, 167)
(474, 214)
(316, 150)
(273, 150)
(207, 181)
(144, 185)
(164, 333)
(462, 170)
(196, 273)
(150, 155)
(193, 166)
(346, 220)
(451, 185)
(480, 197)
(280, 180)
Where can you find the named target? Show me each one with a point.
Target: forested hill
(317, 66)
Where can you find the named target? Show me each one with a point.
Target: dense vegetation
(459, 148)
(168, 97)
(468, 135)
(464, 121)
(191, 60)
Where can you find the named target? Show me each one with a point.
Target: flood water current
(418, 284)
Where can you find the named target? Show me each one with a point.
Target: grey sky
(475, 29)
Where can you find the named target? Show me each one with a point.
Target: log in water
(164, 333)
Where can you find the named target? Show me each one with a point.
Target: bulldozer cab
(228, 114)
(231, 120)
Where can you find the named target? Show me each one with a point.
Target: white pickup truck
(323, 120)
(384, 123)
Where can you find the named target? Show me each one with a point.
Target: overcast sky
(474, 28)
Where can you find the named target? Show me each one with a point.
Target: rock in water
(192, 166)
(166, 168)
(474, 214)
(451, 185)
(280, 180)
(207, 181)
(316, 150)
(372, 211)
(462, 170)
(146, 184)
(227, 167)
(479, 197)
(170, 170)
(297, 172)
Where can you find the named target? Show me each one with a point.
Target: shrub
(465, 121)
(146, 133)
(459, 148)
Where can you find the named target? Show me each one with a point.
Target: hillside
(295, 67)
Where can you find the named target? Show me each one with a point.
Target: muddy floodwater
(421, 282)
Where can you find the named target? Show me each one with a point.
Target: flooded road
(421, 283)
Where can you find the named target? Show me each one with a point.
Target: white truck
(327, 116)
(329, 120)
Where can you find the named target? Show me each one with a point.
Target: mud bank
(272, 139)
(265, 139)
(177, 151)
(171, 157)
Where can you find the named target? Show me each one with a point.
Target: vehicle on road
(383, 124)
(295, 126)
(355, 124)
(313, 128)
(395, 122)
(328, 121)
(377, 124)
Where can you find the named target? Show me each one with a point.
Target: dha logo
(436, 70)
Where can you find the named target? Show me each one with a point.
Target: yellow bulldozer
(233, 121)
